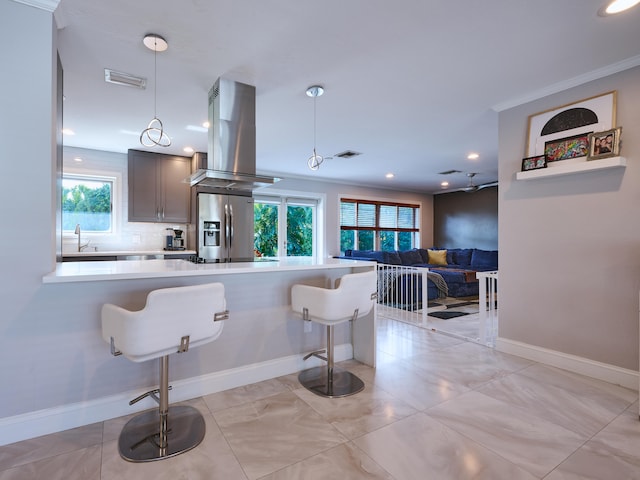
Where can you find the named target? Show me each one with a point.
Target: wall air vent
(449, 172)
(347, 154)
(121, 78)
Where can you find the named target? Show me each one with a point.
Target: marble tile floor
(436, 407)
(466, 327)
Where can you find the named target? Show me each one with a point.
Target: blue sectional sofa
(457, 266)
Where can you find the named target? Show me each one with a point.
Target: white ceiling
(414, 85)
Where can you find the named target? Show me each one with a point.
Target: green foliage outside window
(265, 218)
(299, 231)
(87, 202)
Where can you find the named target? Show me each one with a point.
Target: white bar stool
(352, 298)
(172, 321)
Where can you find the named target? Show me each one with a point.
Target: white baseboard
(56, 419)
(584, 366)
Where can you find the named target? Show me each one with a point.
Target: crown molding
(570, 83)
(48, 5)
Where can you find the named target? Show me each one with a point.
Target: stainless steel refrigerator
(224, 227)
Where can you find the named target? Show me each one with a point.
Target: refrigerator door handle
(230, 226)
(226, 227)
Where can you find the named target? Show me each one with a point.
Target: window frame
(377, 229)
(284, 199)
(96, 176)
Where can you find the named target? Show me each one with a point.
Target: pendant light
(154, 135)
(315, 160)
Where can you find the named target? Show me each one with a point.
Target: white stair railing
(488, 299)
(403, 293)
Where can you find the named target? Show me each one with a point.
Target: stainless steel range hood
(231, 157)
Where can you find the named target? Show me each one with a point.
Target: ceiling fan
(472, 187)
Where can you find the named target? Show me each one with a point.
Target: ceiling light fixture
(154, 135)
(315, 160)
(617, 6)
(389, 175)
(474, 155)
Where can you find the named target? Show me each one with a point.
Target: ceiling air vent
(121, 78)
(449, 172)
(347, 154)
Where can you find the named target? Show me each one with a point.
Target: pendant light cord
(155, 77)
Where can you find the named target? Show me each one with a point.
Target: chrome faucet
(80, 246)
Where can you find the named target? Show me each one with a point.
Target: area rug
(449, 310)
(447, 314)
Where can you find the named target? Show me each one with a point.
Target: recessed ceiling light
(68, 131)
(389, 175)
(206, 124)
(473, 155)
(444, 184)
(617, 6)
(188, 149)
(77, 159)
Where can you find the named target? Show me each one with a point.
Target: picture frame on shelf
(568, 147)
(604, 144)
(534, 163)
(591, 114)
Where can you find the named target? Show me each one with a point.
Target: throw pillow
(437, 257)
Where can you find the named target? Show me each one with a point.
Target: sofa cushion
(460, 256)
(424, 253)
(437, 257)
(484, 258)
(410, 257)
(392, 258)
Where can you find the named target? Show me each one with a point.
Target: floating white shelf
(570, 168)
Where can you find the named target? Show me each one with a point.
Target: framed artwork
(565, 148)
(604, 144)
(534, 163)
(574, 121)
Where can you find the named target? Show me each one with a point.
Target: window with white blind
(372, 225)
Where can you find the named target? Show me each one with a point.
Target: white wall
(570, 245)
(27, 206)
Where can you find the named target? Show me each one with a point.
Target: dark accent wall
(466, 220)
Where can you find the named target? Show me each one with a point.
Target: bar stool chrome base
(139, 439)
(317, 380)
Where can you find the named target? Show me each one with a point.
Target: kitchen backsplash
(132, 237)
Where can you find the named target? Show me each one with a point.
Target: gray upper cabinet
(157, 190)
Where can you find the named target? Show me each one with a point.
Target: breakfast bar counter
(262, 339)
(139, 269)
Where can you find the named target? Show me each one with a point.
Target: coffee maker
(174, 240)
(178, 240)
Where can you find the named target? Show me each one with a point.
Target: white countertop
(67, 272)
(112, 253)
